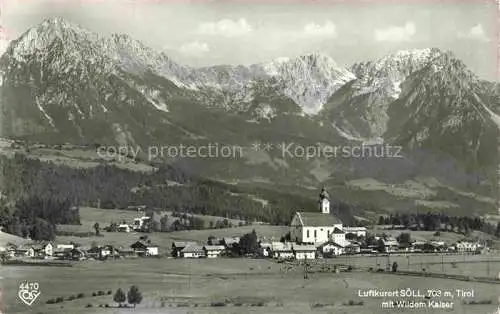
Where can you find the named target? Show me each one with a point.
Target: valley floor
(242, 285)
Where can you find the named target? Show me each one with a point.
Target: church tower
(324, 201)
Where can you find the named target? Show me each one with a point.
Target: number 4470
(29, 286)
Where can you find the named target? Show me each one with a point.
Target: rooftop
(215, 247)
(181, 244)
(311, 219)
(302, 248)
(193, 249)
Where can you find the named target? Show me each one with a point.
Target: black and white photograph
(249, 156)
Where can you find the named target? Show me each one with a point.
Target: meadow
(224, 286)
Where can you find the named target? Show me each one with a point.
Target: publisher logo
(29, 292)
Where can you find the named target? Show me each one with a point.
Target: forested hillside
(41, 194)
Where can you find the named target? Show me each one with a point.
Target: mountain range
(60, 83)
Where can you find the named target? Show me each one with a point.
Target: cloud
(396, 33)
(194, 48)
(327, 29)
(226, 27)
(475, 33)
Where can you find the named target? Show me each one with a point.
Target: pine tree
(134, 296)
(119, 297)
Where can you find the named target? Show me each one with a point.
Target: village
(312, 235)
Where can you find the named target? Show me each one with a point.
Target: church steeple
(324, 201)
(324, 194)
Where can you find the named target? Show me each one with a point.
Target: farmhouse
(124, 228)
(352, 247)
(41, 250)
(338, 236)
(11, 250)
(140, 223)
(331, 248)
(31, 252)
(145, 249)
(466, 247)
(126, 252)
(178, 246)
(282, 250)
(358, 231)
(265, 249)
(213, 251)
(228, 242)
(102, 251)
(152, 250)
(65, 246)
(315, 227)
(193, 251)
(388, 245)
(301, 252)
(61, 253)
(77, 254)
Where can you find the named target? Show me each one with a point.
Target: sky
(201, 33)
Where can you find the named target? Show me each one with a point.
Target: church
(317, 227)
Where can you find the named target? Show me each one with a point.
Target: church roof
(310, 219)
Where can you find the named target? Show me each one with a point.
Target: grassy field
(244, 285)
(9, 238)
(89, 216)
(483, 265)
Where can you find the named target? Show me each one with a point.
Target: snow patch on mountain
(386, 74)
(346, 135)
(265, 111)
(309, 80)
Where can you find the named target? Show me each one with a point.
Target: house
(126, 252)
(331, 248)
(301, 252)
(418, 246)
(102, 251)
(107, 250)
(22, 252)
(265, 249)
(62, 253)
(281, 250)
(77, 254)
(94, 252)
(145, 249)
(467, 247)
(178, 246)
(123, 228)
(338, 236)
(152, 250)
(228, 242)
(437, 246)
(388, 245)
(214, 251)
(139, 248)
(11, 250)
(314, 227)
(41, 250)
(32, 252)
(140, 223)
(65, 246)
(193, 251)
(358, 231)
(352, 247)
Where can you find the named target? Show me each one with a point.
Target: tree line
(39, 194)
(439, 222)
